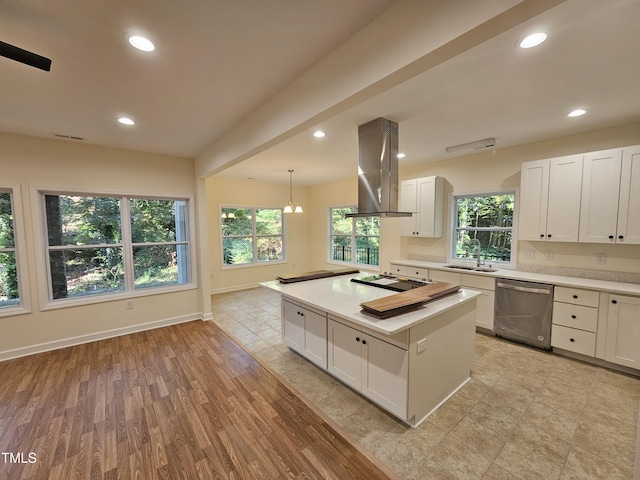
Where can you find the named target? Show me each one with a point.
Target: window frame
(511, 264)
(19, 241)
(46, 296)
(353, 240)
(254, 237)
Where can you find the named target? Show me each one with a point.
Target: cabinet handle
(614, 301)
(542, 235)
(364, 342)
(572, 340)
(620, 237)
(573, 316)
(610, 237)
(549, 235)
(575, 296)
(357, 339)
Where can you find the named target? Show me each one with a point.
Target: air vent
(68, 137)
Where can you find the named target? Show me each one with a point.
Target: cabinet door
(315, 337)
(629, 205)
(292, 326)
(385, 370)
(600, 192)
(623, 331)
(345, 354)
(484, 308)
(563, 211)
(409, 203)
(426, 224)
(534, 194)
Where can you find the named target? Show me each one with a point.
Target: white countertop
(559, 280)
(341, 297)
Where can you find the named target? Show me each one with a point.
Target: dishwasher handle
(543, 291)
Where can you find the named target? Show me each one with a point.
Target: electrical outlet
(530, 254)
(601, 258)
(548, 254)
(422, 345)
(129, 304)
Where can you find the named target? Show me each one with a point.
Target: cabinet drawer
(417, 272)
(576, 296)
(479, 281)
(574, 340)
(449, 277)
(398, 269)
(575, 316)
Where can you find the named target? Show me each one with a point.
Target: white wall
(33, 163)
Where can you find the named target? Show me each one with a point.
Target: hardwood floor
(181, 402)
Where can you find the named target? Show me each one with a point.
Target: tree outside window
(354, 240)
(487, 219)
(251, 235)
(9, 288)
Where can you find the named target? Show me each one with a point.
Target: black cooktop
(391, 282)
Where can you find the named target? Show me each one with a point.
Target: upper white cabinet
(425, 198)
(550, 199)
(610, 210)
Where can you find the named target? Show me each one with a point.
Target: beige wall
(489, 171)
(33, 163)
(249, 193)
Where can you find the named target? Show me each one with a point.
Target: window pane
(489, 211)
(339, 223)
(236, 222)
(269, 222)
(341, 248)
(157, 220)
(494, 245)
(90, 271)
(9, 294)
(237, 251)
(269, 248)
(368, 226)
(6, 221)
(73, 220)
(367, 250)
(160, 265)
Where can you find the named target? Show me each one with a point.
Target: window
(252, 235)
(9, 287)
(349, 235)
(484, 220)
(102, 245)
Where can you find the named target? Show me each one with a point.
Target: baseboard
(235, 288)
(92, 337)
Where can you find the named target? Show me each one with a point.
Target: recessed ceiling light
(577, 112)
(142, 43)
(401, 155)
(533, 40)
(319, 134)
(126, 121)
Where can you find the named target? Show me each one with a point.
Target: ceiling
(590, 60)
(217, 61)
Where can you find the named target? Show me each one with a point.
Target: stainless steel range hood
(378, 170)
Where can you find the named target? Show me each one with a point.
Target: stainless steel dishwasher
(523, 311)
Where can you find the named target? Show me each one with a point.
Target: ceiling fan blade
(24, 56)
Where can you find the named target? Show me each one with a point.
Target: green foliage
(238, 235)
(9, 293)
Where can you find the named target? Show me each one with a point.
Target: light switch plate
(601, 258)
(422, 345)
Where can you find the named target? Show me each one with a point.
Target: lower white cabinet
(575, 320)
(623, 331)
(485, 310)
(305, 331)
(377, 369)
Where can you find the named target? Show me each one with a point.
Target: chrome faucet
(479, 261)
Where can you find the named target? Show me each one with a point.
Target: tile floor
(525, 414)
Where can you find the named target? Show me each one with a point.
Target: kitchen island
(408, 364)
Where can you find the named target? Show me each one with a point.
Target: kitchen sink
(470, 268)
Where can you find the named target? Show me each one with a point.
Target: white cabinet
(550, 193)
(623, 331)
(405, 271)
(575, 320)
(486, 286)
(305, 331)
(610, 210)
(377, 369)
(425, 198)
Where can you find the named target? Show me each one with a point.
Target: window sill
(252, 265)
(13, 311)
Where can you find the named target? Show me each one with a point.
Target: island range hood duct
(378, 170)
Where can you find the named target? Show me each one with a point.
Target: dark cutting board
(406, 301)
(301, 277)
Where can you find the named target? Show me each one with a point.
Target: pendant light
(291, 207)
